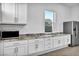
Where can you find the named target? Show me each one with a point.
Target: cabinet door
(9, 51)
(67, 39)
(39, 45)
(31, 44)
(22, 50)
(1, 50)
(48, 43)
(58, 41)
(21, 13)
(36, 45)
(32, 48)
(55, 42)
(8, 12)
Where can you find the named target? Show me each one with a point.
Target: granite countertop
(56, 35)
(25, 37)
(33, 36)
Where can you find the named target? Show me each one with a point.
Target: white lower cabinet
(18, 48)
(21, 50)
(1, 51)
(58, 41)
(39, 46)
(13, 51)
(10, 51)
(36, 45)
(29, 47)
(32, 48)
(1, 48)
(62, 40)
(67, 39)
(48, 43)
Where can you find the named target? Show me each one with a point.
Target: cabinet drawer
(67, 36)
(15, 43)
(22, 42)
(31, 41)
(35, 41)
(8, 44)
(31, 48)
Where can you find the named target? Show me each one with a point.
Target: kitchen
(24, 31)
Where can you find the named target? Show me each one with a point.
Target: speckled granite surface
(33, 36)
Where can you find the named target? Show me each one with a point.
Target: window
(49, 20)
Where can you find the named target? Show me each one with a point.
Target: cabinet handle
(36, 46)
(16, 44)
(16, 19)
(15, 50)
(67, 40)
(58, 41)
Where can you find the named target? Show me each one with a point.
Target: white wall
(35, 18)
(75, 13)
(35, 21)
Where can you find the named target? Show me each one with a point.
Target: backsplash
(10, 27)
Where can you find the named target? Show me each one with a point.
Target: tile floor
(69, 51)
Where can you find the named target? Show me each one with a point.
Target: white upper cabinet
(21, 13)
(14, 13)
(8, 13)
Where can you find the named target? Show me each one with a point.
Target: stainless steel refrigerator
(72, 27)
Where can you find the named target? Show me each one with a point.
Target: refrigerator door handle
(76, 31)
